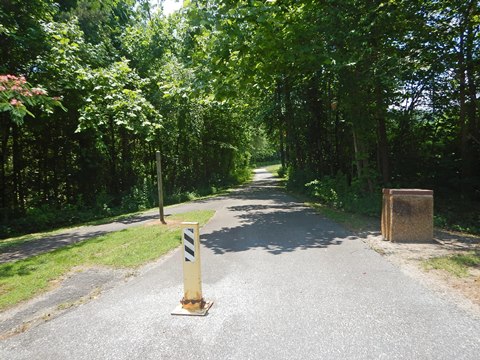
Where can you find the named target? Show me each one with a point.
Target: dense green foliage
(128, 87)
(359, 94)
(355, 95)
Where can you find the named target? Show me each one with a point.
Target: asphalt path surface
(287, 284)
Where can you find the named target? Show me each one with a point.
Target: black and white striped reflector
(189, 244)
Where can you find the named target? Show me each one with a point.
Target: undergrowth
(336, 192)
(140, 198)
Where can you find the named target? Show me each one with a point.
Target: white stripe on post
(189, 244)
(189, 233)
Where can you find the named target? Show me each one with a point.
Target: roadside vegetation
(359, 210)
(48, 221)
(130, 248)
(354, 221)
(352, 96)
(273, 168)
(459, 265)
(463, 265)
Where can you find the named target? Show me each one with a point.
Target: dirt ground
(465, 291)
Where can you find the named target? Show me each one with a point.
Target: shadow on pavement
(44, 245)
(138, 218)
(280, 226)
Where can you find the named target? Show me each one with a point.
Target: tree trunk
(292, 143)
(127, 177)
(470, 150)
(471, 76)
(321, 159)
(382, 141)
(113, 160)
(358, 162)
(19, 190)
(337, 142)
(281, 123)
(5, 127)
(361, 159)
(462, 118)
(282, 148)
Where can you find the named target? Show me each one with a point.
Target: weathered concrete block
(385, 213)
(407, 215)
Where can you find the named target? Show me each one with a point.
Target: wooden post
(160, 187)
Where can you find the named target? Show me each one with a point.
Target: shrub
(335, 192)
(297, 178)
(282, 172)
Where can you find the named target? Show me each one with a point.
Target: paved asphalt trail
(287, 284)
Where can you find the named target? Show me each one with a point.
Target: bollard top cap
(410, 192)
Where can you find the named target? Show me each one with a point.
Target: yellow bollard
(192, 302)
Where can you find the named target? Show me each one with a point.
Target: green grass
(130, 248)
(15, 240)
(273, 168)
(457, 265)
(18, 240)
(8, 243)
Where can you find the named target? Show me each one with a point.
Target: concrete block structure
(407, 215)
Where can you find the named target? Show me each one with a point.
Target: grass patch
(457, 265)
(273, 168)
(130, 248)
(8, 243)
(18, 240)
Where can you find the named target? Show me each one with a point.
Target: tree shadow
(278, 228)
(138, 218)
(10, 270)
(457, 241)
(46, 244)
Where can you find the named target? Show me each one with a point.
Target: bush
(139, 198)
(298, 178)
(240, 176)
(325, 191)
(336, 192)
(103, 201)
(46, 217)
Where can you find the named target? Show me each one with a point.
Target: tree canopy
(363, 94)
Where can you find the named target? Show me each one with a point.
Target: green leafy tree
(115, 111)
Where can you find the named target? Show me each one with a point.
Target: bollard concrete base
(407, 215)
(181, 310)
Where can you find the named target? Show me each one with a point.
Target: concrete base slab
(179, 310)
